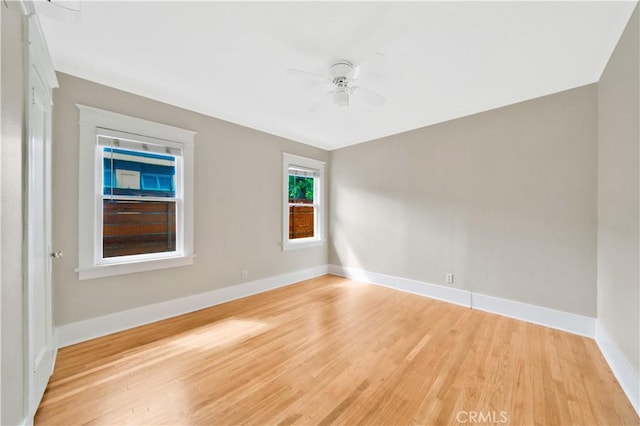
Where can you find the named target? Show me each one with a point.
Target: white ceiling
(229, 60)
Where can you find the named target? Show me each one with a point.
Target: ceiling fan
(343, 75)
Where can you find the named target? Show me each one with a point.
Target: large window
(136, 190)
(139, 198)
(303, 204)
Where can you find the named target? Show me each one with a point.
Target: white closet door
(40, 347)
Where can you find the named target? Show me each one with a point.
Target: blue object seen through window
(138, 173)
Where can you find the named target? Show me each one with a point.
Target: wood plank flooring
(335, 351)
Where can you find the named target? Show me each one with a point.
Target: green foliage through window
(300, 188)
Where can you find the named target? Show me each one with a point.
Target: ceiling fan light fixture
(341, 97)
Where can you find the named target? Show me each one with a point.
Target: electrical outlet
(448, 277)
(244, 275)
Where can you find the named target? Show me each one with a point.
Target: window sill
(302, 243)
(101, 271)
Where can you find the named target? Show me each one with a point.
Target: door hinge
(33, 95)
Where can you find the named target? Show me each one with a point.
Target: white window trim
(319, 237)
(90, 172)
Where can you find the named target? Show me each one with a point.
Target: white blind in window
(114, 139)
(303, 171)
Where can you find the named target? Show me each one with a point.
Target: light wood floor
(332, 350)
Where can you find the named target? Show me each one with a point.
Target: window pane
(130, 172)
(300, 189)
(149, 181)
(138, 227)
(301, 221)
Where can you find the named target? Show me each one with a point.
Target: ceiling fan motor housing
(341, 71)
(341, 68)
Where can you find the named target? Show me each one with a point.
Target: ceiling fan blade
(376, 59)
(322, 103)
(294, 71)
(368, 96)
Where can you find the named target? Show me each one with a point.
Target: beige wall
(505, 199)
(238, 222)
(12, 108)
(619, 195)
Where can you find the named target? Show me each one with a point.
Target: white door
(39, 318)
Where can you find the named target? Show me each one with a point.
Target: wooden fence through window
(301, 223)
(138, 227)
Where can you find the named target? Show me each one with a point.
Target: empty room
(274, 213)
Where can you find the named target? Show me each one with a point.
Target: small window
(303, 208)
(136, 195)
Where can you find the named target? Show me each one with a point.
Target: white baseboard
(620, 366)
(433, 291)
(565, 321)
(560, 320)
(69, 334)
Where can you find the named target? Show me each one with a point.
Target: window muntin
(302, 209)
